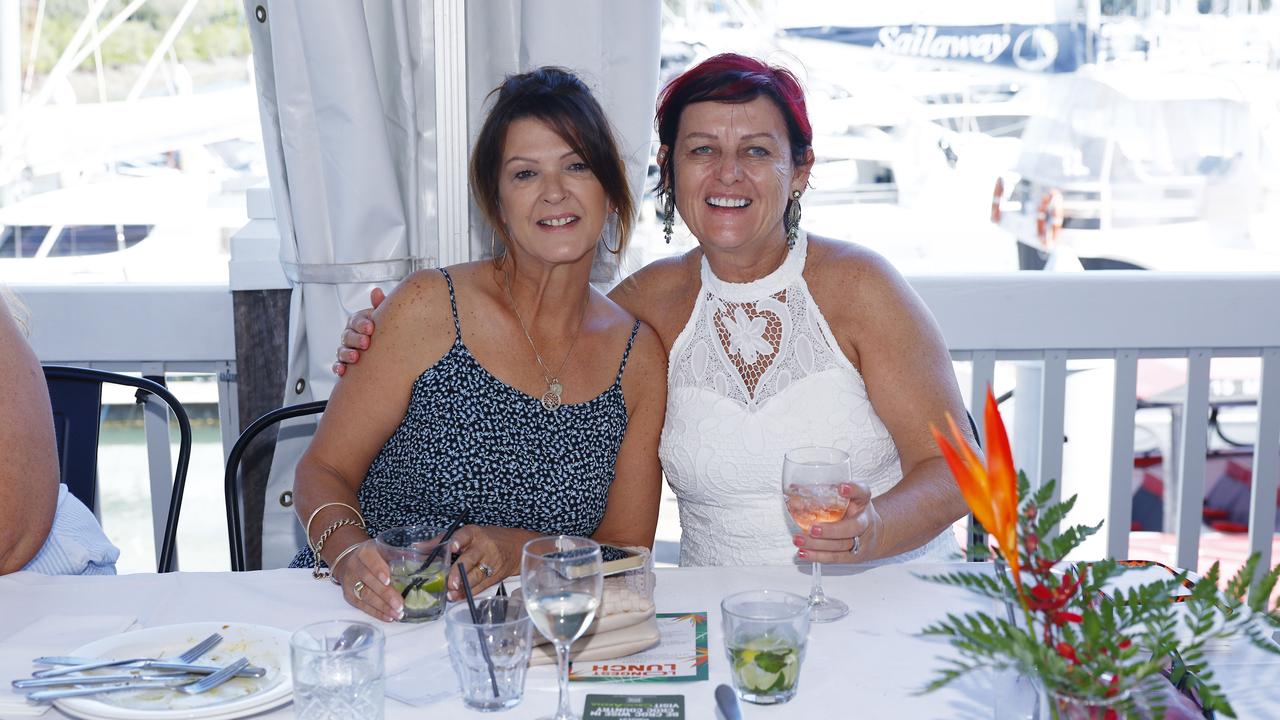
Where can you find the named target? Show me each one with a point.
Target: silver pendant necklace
(552, 399)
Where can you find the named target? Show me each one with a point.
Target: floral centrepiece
(1064, 624)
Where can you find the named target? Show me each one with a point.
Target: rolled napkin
(641, 634)
(51, 635)
(625, 622)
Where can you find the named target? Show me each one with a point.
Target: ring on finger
(485, 569)
(357, 589)
(857, 545)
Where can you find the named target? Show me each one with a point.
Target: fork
(185, 684)
(192, 653)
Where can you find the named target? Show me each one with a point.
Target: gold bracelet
(333, 567)
(316, 512)
(317, 573)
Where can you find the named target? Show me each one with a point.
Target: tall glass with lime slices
(417, 571)
(764, 638)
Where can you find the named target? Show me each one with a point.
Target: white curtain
(346, 94)
(347, 98)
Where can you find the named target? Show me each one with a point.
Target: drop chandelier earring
(668, 214)
(791, 219)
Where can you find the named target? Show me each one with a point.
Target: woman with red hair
(778, 339)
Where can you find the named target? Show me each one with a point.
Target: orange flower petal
(972, 489)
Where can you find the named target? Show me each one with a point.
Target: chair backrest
(232, 484)
(76, 397)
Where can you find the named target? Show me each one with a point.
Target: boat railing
(1040, 321)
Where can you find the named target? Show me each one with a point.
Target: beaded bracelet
(317, 573)
(333, 567)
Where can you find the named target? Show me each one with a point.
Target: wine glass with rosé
(811, 480)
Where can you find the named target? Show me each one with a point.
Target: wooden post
(262, 358)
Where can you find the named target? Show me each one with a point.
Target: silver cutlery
(191, 668)
(184, 683)
(727, 701)
(27, 683)
(191, 654)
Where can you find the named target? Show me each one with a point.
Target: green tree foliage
(216, 29)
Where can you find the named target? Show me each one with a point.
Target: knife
(25, 683)
(727, 701)
(252, 671)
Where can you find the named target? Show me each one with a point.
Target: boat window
(19, 241)
(97, 239)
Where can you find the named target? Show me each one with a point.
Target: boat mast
(10, 70)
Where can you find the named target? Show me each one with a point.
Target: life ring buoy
(1049, 218)
(997, 195)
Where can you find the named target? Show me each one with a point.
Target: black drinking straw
(475, 618)
(435, 553)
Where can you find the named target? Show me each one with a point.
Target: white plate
(266, 647)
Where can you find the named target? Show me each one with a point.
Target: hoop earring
(604, 233)
(668, 215)
(791, 220)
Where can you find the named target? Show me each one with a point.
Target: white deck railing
(1043, 320)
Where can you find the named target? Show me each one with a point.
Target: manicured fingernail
(454, 546)
(366, 328)
(815, 531)
(803, 554)
(846, 489)
(364, 342)
(385, 580)
(798, 540)
(400, 614)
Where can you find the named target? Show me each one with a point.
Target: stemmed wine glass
(811, 479)
(561, 582)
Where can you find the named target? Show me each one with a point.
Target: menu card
(680, 655)
(649, 707)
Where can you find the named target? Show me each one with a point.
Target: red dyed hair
(732, 78)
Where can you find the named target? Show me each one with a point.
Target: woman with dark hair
(778, 339)
(508, 388)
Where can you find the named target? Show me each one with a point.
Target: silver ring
(857, 545)
(357, 589)
(485, 569)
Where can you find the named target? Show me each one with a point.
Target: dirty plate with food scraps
(266, 647)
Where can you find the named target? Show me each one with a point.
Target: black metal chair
(235, 528)
(75, 394)
(977, 535)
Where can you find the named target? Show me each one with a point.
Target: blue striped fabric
(76, 544)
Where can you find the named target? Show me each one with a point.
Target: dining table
(873, 663)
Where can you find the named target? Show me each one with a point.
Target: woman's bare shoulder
(660, 278)
(851, 270)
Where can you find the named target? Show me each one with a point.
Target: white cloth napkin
(50, 635)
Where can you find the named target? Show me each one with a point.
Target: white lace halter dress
(754, 373)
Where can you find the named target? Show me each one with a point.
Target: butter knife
(25, 683)
(251, 671)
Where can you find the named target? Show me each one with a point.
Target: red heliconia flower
(992, 491)
(1066, 650)
(1062, 618)
(1124, 644)
(1032, 542)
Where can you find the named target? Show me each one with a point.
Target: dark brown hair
(560, 99)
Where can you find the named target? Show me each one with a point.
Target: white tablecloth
(868, 665)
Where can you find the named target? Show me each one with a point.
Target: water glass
(765, 632)
(421, 584)
(490, 656)
(338, 671)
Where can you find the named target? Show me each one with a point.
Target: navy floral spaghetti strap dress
(469, 440)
